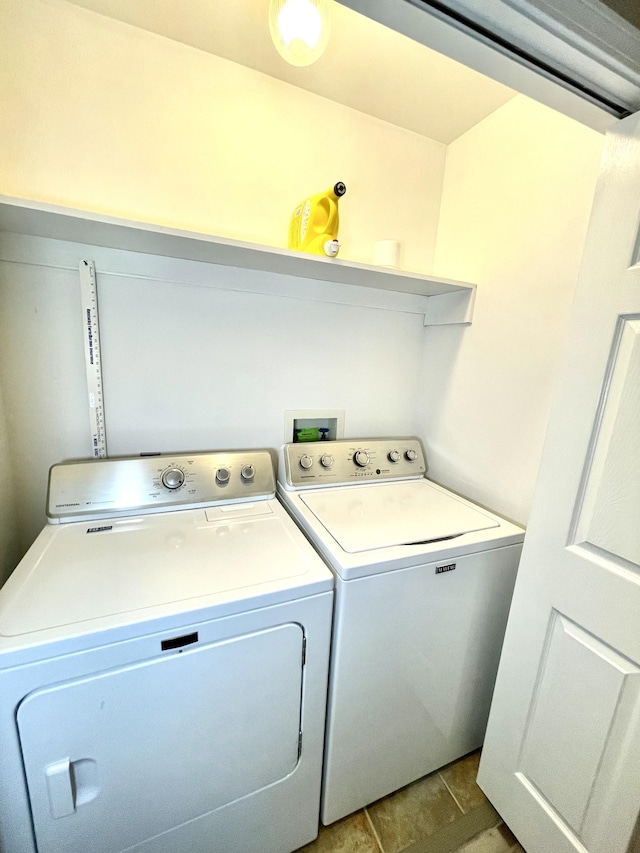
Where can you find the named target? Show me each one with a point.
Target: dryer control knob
(306, 461)
(248, 472)
(326, 460)
(222, 475)
(411, 455)
(394, 456)
(172, 478)
(361, 458)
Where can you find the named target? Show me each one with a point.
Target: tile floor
(445, 812)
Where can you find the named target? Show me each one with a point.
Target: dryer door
(119, 757)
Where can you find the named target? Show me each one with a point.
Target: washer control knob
(411, 455)
(172, 478)
(393, 456)
(222, 475)
(248, 472)
(361, 458)
(306, 462)
(326, 460)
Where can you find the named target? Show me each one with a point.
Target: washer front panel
(364, 518)
(414, 659)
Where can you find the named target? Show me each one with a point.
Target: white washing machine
(164, 653)
(424, 581)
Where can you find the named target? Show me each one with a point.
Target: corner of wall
(9, 549)
(517, 195)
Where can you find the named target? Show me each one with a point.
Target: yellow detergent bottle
(314, 223)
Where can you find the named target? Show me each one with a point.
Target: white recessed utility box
(328, 422)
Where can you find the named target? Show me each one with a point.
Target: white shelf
(448, 301)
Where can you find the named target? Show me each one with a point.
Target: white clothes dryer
(164, 650)
(424, 581)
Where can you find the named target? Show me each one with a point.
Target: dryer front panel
(115, 759)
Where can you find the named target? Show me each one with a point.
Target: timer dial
(411, 455)
(393, 456)
(361, 458)
(172, 478)
(306, 461)
(223, 475)
(248, 472)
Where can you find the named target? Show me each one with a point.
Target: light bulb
(300, 29)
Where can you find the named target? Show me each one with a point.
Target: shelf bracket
(447, 309)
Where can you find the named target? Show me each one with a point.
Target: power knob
(393, 456)
(326, 460)
(361, 458)
(306, 462)
(222, 475)
(248, 472)
(411, 455)
(172, 478)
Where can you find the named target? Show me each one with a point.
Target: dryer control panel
(106, 488)
(351, 461)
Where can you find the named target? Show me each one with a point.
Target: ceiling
(627, 9)
(366, 66)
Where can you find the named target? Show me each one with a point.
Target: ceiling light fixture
(300, 29)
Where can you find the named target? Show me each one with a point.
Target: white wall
(102, 116)
(9, 546)
(191, 360)
(515, 206)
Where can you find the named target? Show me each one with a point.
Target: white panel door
(115, 759)
(561, 761)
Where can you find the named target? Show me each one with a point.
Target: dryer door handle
(60, 788)
(71, 784)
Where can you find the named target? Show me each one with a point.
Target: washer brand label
(98, 529)
(59, 506)
(441, 569)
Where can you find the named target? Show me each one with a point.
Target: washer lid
(363, 518)
(242, 556)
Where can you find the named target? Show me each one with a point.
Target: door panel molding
(609, 493)
(583, 685)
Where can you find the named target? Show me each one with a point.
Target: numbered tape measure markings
(93, 364)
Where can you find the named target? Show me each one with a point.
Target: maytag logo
(99, 529)
(441, 569)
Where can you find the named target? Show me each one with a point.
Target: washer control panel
(321, 463)
(160, 482)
